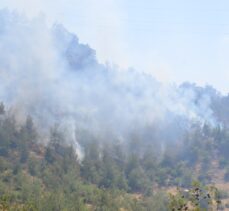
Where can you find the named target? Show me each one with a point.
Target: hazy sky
(172, 40)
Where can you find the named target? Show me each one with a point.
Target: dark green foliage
(112, 175)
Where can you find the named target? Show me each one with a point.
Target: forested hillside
(79, 135)
(111, 176)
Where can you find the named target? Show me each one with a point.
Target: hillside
(76, 134)
(38, 177)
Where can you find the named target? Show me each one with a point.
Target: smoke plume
(47, 73)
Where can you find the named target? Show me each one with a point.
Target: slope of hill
(79, 135)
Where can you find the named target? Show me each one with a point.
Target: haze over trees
(79, 135)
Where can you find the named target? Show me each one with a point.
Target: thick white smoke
(47, 73)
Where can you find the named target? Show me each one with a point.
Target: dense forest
(111, 176)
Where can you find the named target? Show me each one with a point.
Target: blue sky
(175, 41)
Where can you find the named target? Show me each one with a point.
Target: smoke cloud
(47, 73)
